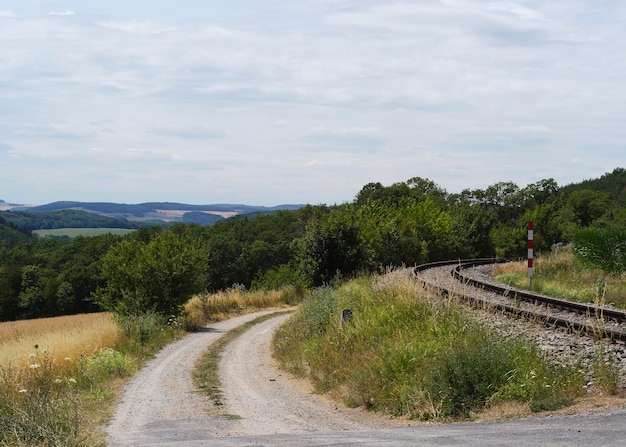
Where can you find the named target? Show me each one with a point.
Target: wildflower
(71, 380)
(57, 381)
(34, 365)
(23, 391)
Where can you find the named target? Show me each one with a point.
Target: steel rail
(516, 295)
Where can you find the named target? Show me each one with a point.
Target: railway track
(456, 278)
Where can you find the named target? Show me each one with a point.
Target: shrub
(107, 363)
(604, 249)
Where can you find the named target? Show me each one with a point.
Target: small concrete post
(346, 316)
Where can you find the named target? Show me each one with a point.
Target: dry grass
(63, 338)
(236, 300)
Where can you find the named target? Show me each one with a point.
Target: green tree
(585, 206)
(159, 275)
(332, 247)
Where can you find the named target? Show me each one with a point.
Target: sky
(281, 101)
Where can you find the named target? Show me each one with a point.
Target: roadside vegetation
(59, 376)
(404, 354)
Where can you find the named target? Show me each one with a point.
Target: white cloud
(67, 12)
(137, 27)
(324, 96)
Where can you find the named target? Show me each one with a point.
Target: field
(75, 232)
(51, 376)
(62, 338)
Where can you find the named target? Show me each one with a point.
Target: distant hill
(72, 218)
(69, 214)
(11, 235)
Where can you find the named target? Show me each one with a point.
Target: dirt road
(160, 405)
(264, 407)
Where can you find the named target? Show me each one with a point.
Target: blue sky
(304, 101)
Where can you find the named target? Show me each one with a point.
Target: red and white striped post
(530, 253)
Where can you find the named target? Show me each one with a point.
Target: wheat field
(65, 338)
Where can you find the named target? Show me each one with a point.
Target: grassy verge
(404, 354)
(206, 371)
(59, 377)
(557, 274)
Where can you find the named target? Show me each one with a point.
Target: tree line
(406, 223)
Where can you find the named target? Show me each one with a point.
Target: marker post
(530, 253)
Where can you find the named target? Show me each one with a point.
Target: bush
(469, 373)
(604, 249)
(107, 363)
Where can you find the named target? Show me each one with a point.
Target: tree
(332, 247)
(587, 205)
(159, 275)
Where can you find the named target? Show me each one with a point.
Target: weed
(606, 371)
(39, 407)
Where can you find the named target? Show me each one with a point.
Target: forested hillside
(406, 223)
(11, 234)
(32, 220)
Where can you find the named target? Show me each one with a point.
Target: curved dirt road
(161, 406)
(263, 407)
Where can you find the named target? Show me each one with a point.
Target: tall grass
(65, 339)
(58, 375)
(236, 300)
(558, 274)
(405, 354)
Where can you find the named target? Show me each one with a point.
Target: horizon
(33, 204)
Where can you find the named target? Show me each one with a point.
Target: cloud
(351, 138)
(5, 148)
(56, 131)
(335, 93)
(188, 132)
(137, 27)
(67, 12)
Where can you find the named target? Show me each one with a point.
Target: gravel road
(264, 407)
